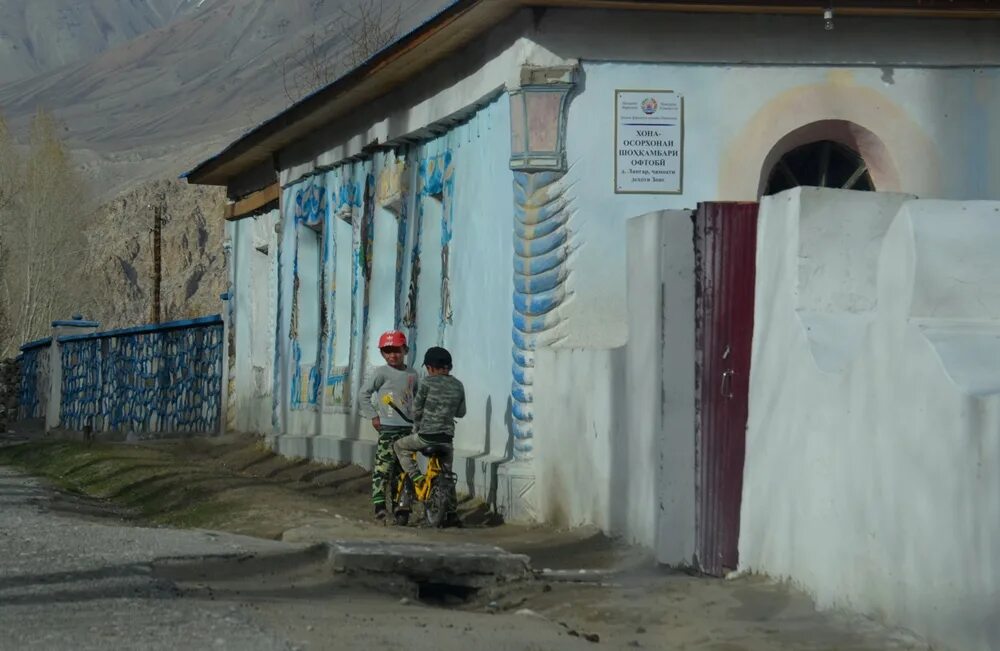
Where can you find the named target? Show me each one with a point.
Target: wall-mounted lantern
(538, 119)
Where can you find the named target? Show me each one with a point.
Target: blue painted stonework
(151, 379)
(34, 379)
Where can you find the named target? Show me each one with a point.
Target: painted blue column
(541, 248)
(541, 233)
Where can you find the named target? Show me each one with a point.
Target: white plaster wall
(253, 308)
(675, 450)
(342, 266)
(429, 295)
(383, 305)
(480, 280)
(875, 486)
(615, 443)
(931, 121)
(576, 463)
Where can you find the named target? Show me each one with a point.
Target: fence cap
(148, 329)
(76, 323)
(38, 343)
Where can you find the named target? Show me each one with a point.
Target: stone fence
(153, 379)
(10, 385)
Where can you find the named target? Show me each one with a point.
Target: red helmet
(392, 339)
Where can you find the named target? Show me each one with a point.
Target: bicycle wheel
(436, 506)
(401, 512)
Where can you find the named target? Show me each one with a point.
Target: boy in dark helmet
(440, 400)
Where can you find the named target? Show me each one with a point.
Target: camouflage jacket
(440, 400)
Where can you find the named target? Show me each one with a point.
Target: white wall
(466, 201)
(924, 119)
(253, 307)
(931, 121)
(616, 434)
(382, 312)
(575, 459)
(873, 483)
(481, 249)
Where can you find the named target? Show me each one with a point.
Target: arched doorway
(822, 164)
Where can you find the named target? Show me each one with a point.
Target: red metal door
(725, 248)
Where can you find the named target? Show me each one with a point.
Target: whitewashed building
(473, 185)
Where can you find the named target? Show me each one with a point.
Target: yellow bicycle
(434, 493)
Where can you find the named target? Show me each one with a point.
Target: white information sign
(649, 145)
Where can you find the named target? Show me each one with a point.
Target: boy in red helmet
(399, 382)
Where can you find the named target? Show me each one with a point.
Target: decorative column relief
(542, 240)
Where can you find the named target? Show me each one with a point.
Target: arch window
(823, 164)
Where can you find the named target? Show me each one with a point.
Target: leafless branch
(347, 42)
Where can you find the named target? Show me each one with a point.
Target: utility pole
(157, 260)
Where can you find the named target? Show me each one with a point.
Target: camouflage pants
(385, 460)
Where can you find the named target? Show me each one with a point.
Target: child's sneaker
(380, 511)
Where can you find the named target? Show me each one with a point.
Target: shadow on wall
(487, 468)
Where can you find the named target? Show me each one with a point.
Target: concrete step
(466, 565)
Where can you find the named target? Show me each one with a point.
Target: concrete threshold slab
(444, 573)
(429, 565)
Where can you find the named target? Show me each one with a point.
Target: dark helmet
(437, 358)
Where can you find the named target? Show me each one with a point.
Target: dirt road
(70, 551)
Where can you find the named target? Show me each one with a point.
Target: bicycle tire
(436, 506)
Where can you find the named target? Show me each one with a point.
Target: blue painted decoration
(541, 250)
(152, 379)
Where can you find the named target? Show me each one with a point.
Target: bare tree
(368, 28)
(341, 45)
(311, 67)
(10, 173)
(40, 228)
(10, 178)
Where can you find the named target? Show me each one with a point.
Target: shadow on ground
(237, 484)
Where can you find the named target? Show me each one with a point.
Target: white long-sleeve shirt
(401, 384)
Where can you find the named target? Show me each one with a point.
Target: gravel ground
(75, 578)
(68, 581)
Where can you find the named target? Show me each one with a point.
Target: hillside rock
(119, 270)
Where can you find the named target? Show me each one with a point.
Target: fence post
(75, 326)
(227, 332)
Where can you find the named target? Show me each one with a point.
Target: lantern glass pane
(517, 135)
(543, 120)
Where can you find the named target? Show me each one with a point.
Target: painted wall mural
(345, 201)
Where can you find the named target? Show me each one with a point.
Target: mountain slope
(172, 95)
(39, 35)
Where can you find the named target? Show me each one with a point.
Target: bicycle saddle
(434, 450)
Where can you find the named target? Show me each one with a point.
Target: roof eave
(463, 20)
